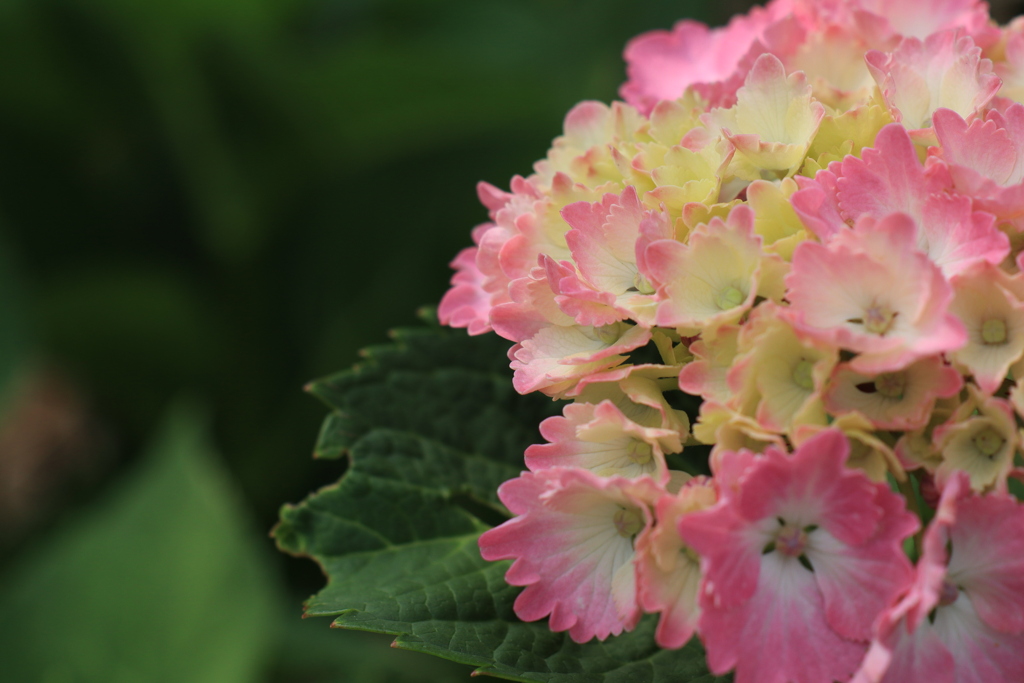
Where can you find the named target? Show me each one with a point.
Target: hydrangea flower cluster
(811, 220)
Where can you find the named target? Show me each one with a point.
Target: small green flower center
(878, 319)
(640, 452)
(642, 284)
(628, 522)
(803, 375)
(729, 298)
(791, 540)
(891, 384)
(993, 331)
(988, 442)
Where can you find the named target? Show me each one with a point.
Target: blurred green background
(203, 205)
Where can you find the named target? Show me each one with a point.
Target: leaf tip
(428, 314)
(481, 671)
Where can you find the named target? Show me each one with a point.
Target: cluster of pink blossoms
(813, 220)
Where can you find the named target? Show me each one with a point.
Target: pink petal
(568, 551)
(780, 635)
(888, 178)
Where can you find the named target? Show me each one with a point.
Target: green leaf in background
(310, 653)
(431, 426)
(160, 582)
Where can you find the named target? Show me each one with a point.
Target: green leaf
(431, 426)
(161, 581)
(463, 398)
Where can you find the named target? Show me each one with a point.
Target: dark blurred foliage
(231, 197)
